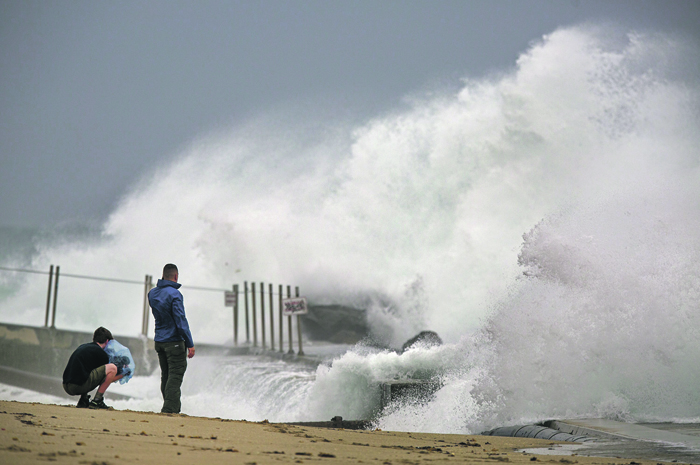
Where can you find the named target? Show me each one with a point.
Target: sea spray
(603, 323)
(606, 313)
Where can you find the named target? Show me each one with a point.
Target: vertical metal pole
(148, 306)
(262, 312)
(281, 318)
(55, 296)
(255, 324)
(235, 315)
(301, 351)
(144, 315)
(48, 297)
(245, 299)
(289, 322)
(272, 322)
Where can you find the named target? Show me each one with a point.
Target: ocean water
(543, 220)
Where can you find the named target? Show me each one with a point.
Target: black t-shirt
(84, 359)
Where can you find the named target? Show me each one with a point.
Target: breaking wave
(544, 222)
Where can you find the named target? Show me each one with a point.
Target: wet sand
(34, 433)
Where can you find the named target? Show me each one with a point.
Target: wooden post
(255, 317)
(262, 312)
(281, 320)
(289, 322)
(55, 296)
(272, 323)
(301, 351)
(48, 297)
(235, 315)
(247, 325)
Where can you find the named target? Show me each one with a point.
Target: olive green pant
(172, 357)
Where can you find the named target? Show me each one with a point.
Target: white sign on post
(295, 306)
(229, 299)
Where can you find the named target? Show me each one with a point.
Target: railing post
(289, 322)
(55, 297)
(144, 315)
(247, 324)
(255, 324)
(301, 351)
(48, 298)
(262, 312)
(281, 319)
(148, 312)
(235, 315)
(272, 322)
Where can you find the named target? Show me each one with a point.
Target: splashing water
(589, 147)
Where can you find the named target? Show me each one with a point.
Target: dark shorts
(97, 377)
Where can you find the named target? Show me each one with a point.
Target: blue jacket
(169, 311)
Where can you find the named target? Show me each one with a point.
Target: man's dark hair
(169, 271)
(102, 335)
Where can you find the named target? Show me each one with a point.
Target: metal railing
(250, 310)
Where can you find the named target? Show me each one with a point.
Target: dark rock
(425, 338)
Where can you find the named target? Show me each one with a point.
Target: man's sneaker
(98, 404)
(84, 401)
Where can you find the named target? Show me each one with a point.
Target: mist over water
(545, 222)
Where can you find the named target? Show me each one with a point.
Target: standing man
(88, 367)
(173, 340)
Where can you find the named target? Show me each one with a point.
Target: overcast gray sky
(94, 93)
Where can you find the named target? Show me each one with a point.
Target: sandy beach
(34, 433)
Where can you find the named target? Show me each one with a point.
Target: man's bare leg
(111, 376)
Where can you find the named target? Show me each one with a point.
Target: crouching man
(88, 368)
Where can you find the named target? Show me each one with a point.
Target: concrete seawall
(34, 357)
(46, 351)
